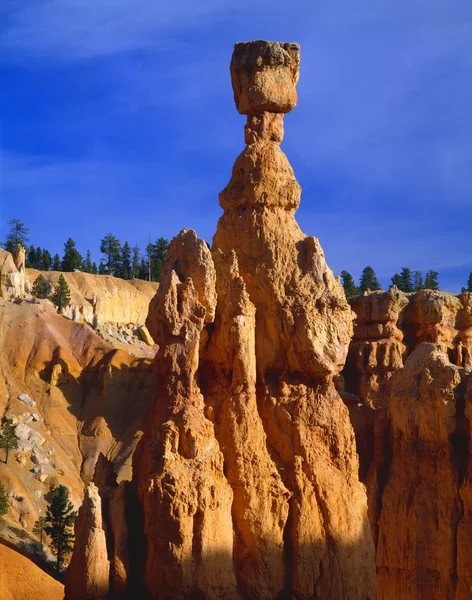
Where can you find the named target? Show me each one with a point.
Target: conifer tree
(469, 284)
(39, 528)
(56, 263)
(3, 500)
(126, 266)
(87, 264)
(47, 261)
(40, 287)
(60, 518)
(94, 270)
(369, 280)
(111, 247)
(431, 280)
(72, 259)
(136, 261)
(407, 281)
(18, 235)
(102, 270)
(158, 254)
(31, 257)
(61, 294)
(418, 283)
(8, 439)
(350, 288)
(397, 280)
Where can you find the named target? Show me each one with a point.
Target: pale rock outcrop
(247, 472)
(88, 573)
(102, 299)
(12, 280)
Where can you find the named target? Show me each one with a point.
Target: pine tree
(87, 266)
(3, 500)
(31, 257)
(126, 261)
(397, 280)
(158, 258)
(94, 270)
(60, 518)
(369, 280)
(102, 270)
(135, 265)
(61, 294)
(469, 284)
(18, 234)
(407, 281)
(39, 528)
(431, 280)
(72, 259)
(56, 263)
(39, 258)
(40, 287)
(111, 247)
(47, 261)
(418, 283)
(350, 288)
(8, 439)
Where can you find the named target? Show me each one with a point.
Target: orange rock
(247, 471)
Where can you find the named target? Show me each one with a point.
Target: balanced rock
(247, 472)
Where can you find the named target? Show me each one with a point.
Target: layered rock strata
(409, 365)
(247, 470)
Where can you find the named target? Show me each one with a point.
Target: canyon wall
(407, 383)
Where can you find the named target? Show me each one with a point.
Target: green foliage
(72, 259)
(18, 234)
(56, 263)
(39, 528)
(469, 284)
(3, 500)
(431, 280)
(40, 287)
(135, 264)
(404, 280)
(126, 267)
(60, 518)
(369, 280)
(418, 283)
(61, 295)
(350, 288)
(8, 440)
(157, 254)
(87, 264)
(111, 247)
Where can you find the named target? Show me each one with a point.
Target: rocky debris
(27, 435)
(88, 573)
(145, 335)
(27, 400)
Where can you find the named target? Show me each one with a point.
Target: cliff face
(409, 365)
(70, 397)
(102, 299)
(247, 470)
(12, 274)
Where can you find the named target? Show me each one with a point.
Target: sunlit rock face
(247, 473)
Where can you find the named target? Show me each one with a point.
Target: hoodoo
(247, 472)
(246, 477)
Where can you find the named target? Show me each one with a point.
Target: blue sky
(118, 115)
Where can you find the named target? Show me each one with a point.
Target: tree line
(120, 260)
(406, 281)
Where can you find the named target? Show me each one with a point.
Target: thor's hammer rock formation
(247, 472)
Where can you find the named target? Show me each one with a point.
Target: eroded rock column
(247, 472)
